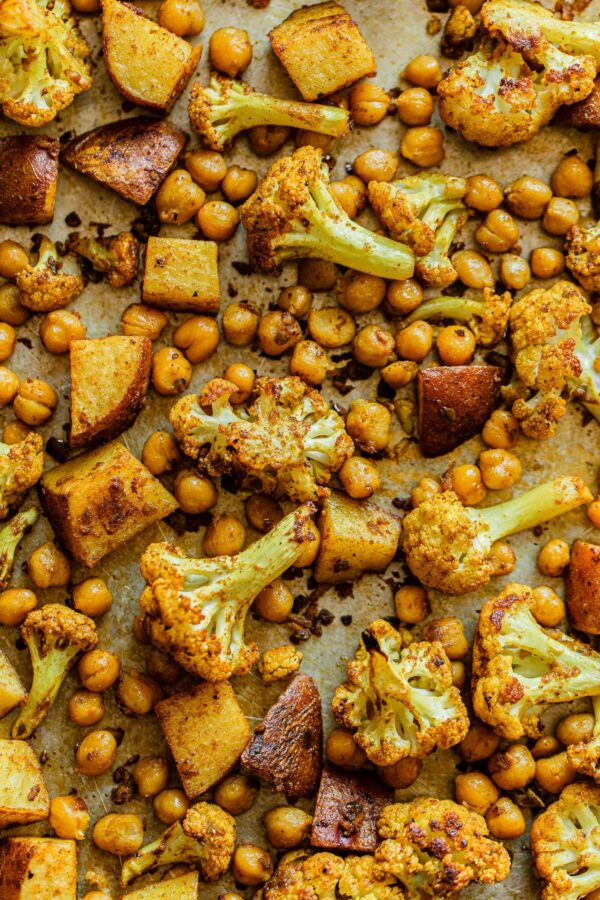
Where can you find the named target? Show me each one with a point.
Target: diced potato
(206, 732)
(133, 156)
(28, 179)
(583, 114)
(148, 64)
(347, 810)
(23, 794)
(355, 538)
(185, 887)
(101, 499)
(583, 587)
(12, 692)
(38, 868)
(181, 275)
(322, 49)
(101, 408)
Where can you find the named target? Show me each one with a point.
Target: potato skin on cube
(583, 587)
(28, 179)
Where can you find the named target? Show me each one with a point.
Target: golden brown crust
(28, 178)
(44, 868)
(347, 810)
(583, 587)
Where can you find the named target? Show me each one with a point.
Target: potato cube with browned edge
(12, 692)
(101, 499)
(347, 811)
(109, 381)
(206, 731)
(148, 64)
(583, 587)
(183, 887)
(322, 49)
(182, 275)
(355, 538)
(28, 179)
(38, 868)
(23, 794)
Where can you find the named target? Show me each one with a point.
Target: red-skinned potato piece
(583, 114)
(347, 810)
(28, 178)
(454, 403)
(583, 587)
(133, 157)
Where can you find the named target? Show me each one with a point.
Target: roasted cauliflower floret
(565, 844)
(293, 214)
(55, 635)
(434, 269)
(585, 756)
(435, 848)
(220, 111)
(43, 60)
(44, 286)
(519, 667)
(487, 318)
(447, 545)
(362, 877)
(117, 256)
(583, 254)
(11, 535)
(302, 875)
(287, 440)
(279, 662)
(205, 839)
(400, 702)
(21, 466)
(196, 608)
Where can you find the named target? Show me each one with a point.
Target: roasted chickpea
(235, 794)
(48, 566)
(145, 321)
(140, 629)
(449, 632)
(9, 385)
(35, 401)
(547, 262)
(331, 327)
(502, 557)
(403, 297)
(160, 452)
(306, 138)
(499, 469)
(207, 167)
(424, 71)
(515, 272)
(85, 708)
(423, 145)
(411, 604)
(373, 346)
(553, 557)
(8, 336)
(239, 184)
(459, 674)
(296, 300)
(179, 198)
(414, 342)
(162, 667)
(473, 269)
(359, 477)
(593, 510)
(512, 768)
(268, 139)
(456, 345)
(501, 431)
(360, 293)
(92, 597)
(505, 820)
(230, 51)
(375, 165)
(171, 371)
(527, 197)
(310, 362)
(198, 337)
(483, 193)
(311, 543)
(572, 177)
(560, 215)
(225, 536)
(369, 423)
(342, 750)
(479, 743)
(286, 826)
(13, 258)
(351, 199)
(545, 746)
(243, 377)
(277, 332)
(251, 865)
(399, 373)
(96, 753)
(58, 328)
(217, 220)
(151, 774)
(263, 512)
(119, 833)
(240, 323)
(498, 233)
(12, 310)
(467, 484)
(98, 670)
(83, 7)
(136, 693)
(369, 103)
(170, 806)
(475, 791)
(549, 609)
(426, 489)
(317, 274)
(415, 106)
(401, 774)
(181, 17)
(577, 728)
(69, 817)
(553, 773)
(275, 602)
(15, 606)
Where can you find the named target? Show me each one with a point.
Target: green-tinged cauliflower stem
(11, 536)
(586, 387)
(54, 635)
(292, 214)
(196, 608)
(487, 318)
(21, 466)
(435, 269)
(447, 546)
(226, 107)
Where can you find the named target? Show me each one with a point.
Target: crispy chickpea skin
(144, 321)
(9, 385)
(449, 632)
(306, 138)
(473, 269)
(170, 806)
(230, 50)
(58, 328)
(286, 826)
(499, 469)
(369, 103)
(151, 774)
(401, 774)
(96, 753)
(198, 337)
(182, 17)
(92, 597)
(512, 768)
(217, 220)
(331, 327)
(503, 558)
(415, 106)
(240, 323)
(15, 606)
(296, 300)
(527, 197)
(553, 557)
(547, 262)
(373, 346)
(85, 708)
(415, 341)
(342, 750)
(310, 362)
(424, 490)
(268, 139)
(424, 71)
(423, 145)
(575, 729)
(277, 332)
(505, 820)
(455, 345)
(162, 667)
(360, 293)
(35, 401)
(411, 604)
(553, 773)
(179, 198)
(119, 833)
(235, 794)
(69, 817)
(467, 484)
(515, 271)
(310, 546)
(48, 566)
(98, 670)
(160, 452)
(136, 693)
(403, 297)
(251, 865)
(375, 165)
(483, 194)
(207, 167)
(243, 377)
(275, 602)
(225, 536)
(359, 477)
(8, 337)
(369, 423)
(479, 743)
(12, 310)
(475, 791)
(501, 431)
(572, 178)
(545, 746)
(549, 609)
(13, 258)
(239, 184)
(171, 371)
(560, 215)
(317, 274)
(263, 512)
(498, 232)
(593, 512)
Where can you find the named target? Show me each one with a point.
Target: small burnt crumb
(385, 391)
(300, 603)
(325, 617)
(72, 220)
(43, 757)
(393, 620)
(298, 637)
(344, 589)
(182, 522)
(231, 291)
(57, 449)
(538, 530)
(25, 341)
(146, 225)
(402, 503)
(123, 793)
(434, 26)
(242, 268)
(66, 136)
(346, 620)
(228, 484)
(20, 644)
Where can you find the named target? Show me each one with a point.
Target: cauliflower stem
(11, 536)
(487, 318)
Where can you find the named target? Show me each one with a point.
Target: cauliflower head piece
(21, 466)
(487, 317)
(400, 702)
(302, 875)
(44, 287)
(585, 756)
(582, 245)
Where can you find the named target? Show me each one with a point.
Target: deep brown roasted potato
(583, 114)
(28, 178)
(347, 810)
(133, 157)
(149, 65)
(38, 867)
(583, 587)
